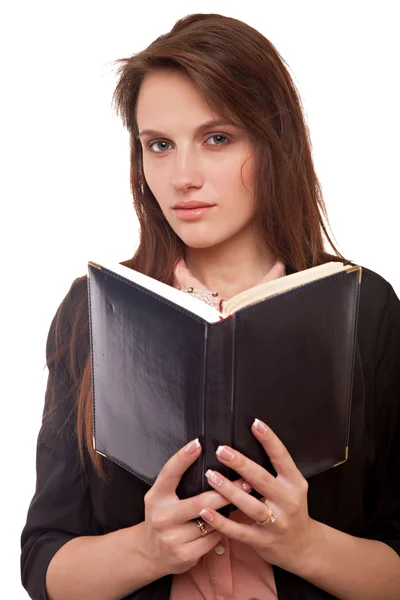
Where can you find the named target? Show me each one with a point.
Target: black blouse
(360, 497)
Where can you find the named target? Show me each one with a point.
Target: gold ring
(271, 518)
(201, 526)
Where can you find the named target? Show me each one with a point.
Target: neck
(231, 267)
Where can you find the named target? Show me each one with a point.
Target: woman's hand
(172, 540)
(286, 538)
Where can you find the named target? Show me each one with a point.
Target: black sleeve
(383, 489)
(60, 509)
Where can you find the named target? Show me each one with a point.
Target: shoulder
(70, 329)
(376, 293)
(379, 310)
(375, 289)
(74, 306)
(76, 296)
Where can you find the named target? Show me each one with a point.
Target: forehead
(168, 100)
(166, 86)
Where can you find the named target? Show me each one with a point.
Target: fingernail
(260, 426)
(192, 446)
(223, 452)
(246, 486)
(215, 478)
(206, 515)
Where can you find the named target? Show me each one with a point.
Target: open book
(167, 368)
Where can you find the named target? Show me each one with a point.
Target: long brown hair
(244, 79)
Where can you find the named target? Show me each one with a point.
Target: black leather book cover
(163, 376)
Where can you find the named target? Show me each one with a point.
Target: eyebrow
(199, 129)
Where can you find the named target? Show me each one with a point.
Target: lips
(190, 213)
(191, 204)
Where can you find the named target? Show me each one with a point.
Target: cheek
(238, 192)
(150, 175)
(157, 187)
(247, 176)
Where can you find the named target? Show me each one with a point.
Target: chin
(200, 245)
(201, 241)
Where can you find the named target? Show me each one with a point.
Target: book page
(283, 284)
(241, 300)
(182, 299)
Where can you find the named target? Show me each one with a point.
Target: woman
(94, 530)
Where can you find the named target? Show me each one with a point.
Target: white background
(64, 181)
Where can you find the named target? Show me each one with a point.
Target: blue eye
(154, 143)
(217, 135)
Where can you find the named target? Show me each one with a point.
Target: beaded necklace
(207, 296)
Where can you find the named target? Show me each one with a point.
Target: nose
(186, 171)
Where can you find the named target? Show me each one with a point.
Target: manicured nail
(224, 453)
(206, 515)
(192, 446)
(246, 486)
(260, 426)
(215, 478)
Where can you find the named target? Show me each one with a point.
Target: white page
(183, 299)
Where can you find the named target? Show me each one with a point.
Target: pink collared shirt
(232, 570)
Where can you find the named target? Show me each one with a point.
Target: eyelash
(150, 144)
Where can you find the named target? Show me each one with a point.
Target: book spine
(218, 395)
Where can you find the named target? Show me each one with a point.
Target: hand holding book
(172, 538)
(277, 525)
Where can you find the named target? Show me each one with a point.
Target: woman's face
(184, 161)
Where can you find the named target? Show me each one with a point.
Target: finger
(191, 531)
(234, 530)
(249, 505)
(279, 456)
(190, 508)
(261, 480)
(201, 545)
(170, 475)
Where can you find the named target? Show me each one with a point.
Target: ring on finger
(270, 518)
(202, 526)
